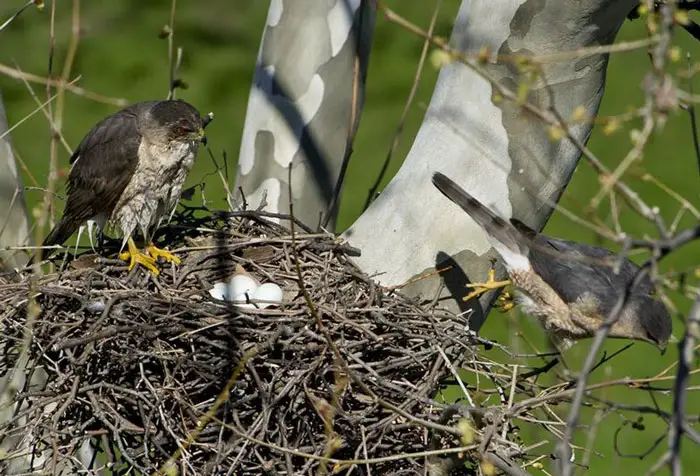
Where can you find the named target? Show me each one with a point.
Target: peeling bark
(304, 104)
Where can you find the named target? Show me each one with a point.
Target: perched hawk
(128, 172)
(563, 283)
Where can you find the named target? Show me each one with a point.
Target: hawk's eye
(651, 337)
(182, 129)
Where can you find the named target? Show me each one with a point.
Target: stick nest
(344, 376)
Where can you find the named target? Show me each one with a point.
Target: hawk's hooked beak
(201, 137)
(662, 348)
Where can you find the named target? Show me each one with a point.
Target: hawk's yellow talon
(157, 252)
(489, 285)
(505, 302)
(134, 257)
(145, 261)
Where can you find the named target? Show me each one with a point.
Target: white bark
(310, 71)
(14, 222)
(500, 154)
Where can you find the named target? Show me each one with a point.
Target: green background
(120, 55)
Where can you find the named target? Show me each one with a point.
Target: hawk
(128, 173)
(570, 288)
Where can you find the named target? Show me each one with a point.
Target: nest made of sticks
(155, 374)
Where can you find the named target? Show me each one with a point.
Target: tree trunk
(304, 105)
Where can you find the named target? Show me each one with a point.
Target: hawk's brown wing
(103, 165)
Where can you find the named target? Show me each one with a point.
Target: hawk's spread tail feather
(508, 241)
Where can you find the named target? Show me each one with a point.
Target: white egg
(268, 292)
(242, 284)
(243, 288)
(220, 291)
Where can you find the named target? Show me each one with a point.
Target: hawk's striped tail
(507, 240)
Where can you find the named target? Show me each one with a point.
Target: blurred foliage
(120, 55)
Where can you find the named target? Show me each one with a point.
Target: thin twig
(686, 352)
(78, 91)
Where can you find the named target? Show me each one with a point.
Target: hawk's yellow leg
(489, 285)
(134, 256)
(158, 253)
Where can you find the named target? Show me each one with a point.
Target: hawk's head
(644, 318)
(178, 121)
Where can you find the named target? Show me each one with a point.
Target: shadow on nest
(155, 374)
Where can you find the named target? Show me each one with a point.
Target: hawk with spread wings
(128, 173)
